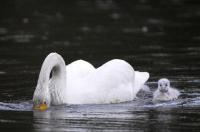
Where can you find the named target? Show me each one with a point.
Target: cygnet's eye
(166, 85)
(160, 85)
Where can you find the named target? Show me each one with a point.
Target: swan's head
(41, 97)
(51, 82)
(163, 85)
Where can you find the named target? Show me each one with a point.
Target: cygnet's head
(163, 85)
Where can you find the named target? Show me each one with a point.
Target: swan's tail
(140, 79)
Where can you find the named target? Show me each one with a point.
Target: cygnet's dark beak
(164, 90)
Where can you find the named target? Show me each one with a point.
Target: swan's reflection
(88, 117)
(124, 116)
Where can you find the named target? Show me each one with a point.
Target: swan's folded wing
(111, 83)
(79, 69)
(140, 79)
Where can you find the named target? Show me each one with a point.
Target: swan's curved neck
(53, 75)
(53, 64)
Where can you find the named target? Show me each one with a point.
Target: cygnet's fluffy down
(165, 92)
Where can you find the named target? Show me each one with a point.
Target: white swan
(80, 83)
(165, 92)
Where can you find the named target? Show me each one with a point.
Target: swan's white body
(80, 83)
(165, 92)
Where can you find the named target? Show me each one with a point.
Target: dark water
(162, 38)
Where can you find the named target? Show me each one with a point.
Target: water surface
(159, 37)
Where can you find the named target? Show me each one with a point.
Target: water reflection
(126, 116)
(91, 118)
(160, 37)
(140, 114)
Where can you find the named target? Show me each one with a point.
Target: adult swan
(80, 83)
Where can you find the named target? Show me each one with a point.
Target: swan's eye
(45, 102)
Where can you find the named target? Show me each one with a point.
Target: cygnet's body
(165, 92)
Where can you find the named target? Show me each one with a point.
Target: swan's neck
(53, 75)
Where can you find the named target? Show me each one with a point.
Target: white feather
(80, 83)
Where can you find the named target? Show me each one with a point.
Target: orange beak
(40, 107)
